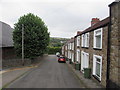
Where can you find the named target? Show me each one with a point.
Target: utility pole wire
(23, 44)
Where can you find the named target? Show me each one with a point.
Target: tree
(36, 36)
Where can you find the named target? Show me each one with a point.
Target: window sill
(97, 48)
(96, 78)
(86, 47)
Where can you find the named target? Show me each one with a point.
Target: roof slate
(97, 25)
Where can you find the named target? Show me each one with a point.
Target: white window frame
(94, 66)
(84, 60)
(83, 40)
(94, 42)
(78, 41)
(87, 60)
(87, 40)
(72, 57)
(78, 55)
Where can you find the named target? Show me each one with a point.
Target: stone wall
(114, 75)
(8, 63)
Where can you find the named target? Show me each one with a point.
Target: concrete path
(50, 74)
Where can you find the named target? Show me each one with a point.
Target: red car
(61, 59)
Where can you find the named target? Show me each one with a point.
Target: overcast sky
(63, 17)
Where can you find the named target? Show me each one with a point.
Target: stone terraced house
(97, 48)
(70, 49)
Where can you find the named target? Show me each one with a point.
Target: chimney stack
(94, 21)
(78, 32)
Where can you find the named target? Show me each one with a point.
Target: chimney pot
(94, 21)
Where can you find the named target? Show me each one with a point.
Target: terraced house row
(97, 49)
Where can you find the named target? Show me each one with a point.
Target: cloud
(63, 17)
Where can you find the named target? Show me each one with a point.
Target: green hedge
(53, 50)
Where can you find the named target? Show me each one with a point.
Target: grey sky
(63, 17)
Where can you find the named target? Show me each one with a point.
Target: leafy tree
(36, 36)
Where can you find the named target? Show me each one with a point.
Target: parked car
(58, 54)
(61, 59)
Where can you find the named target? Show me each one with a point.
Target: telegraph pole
(23, 44)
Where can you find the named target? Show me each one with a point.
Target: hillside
(57, 42)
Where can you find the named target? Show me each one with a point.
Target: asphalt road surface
(49, 74)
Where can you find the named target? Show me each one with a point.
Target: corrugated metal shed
(6, 35)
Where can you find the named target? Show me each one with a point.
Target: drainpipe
(108, 53)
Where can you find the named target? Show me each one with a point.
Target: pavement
(50, 74)
(88, 83)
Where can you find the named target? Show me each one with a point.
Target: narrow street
(49, 74)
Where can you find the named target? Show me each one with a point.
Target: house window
(83, 40)
(78, 41)
(87, 40)
(97, 66)
(98, 39)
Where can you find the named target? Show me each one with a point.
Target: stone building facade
(92, 52)
(113, 74)
(99, 48)
(70, 49)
